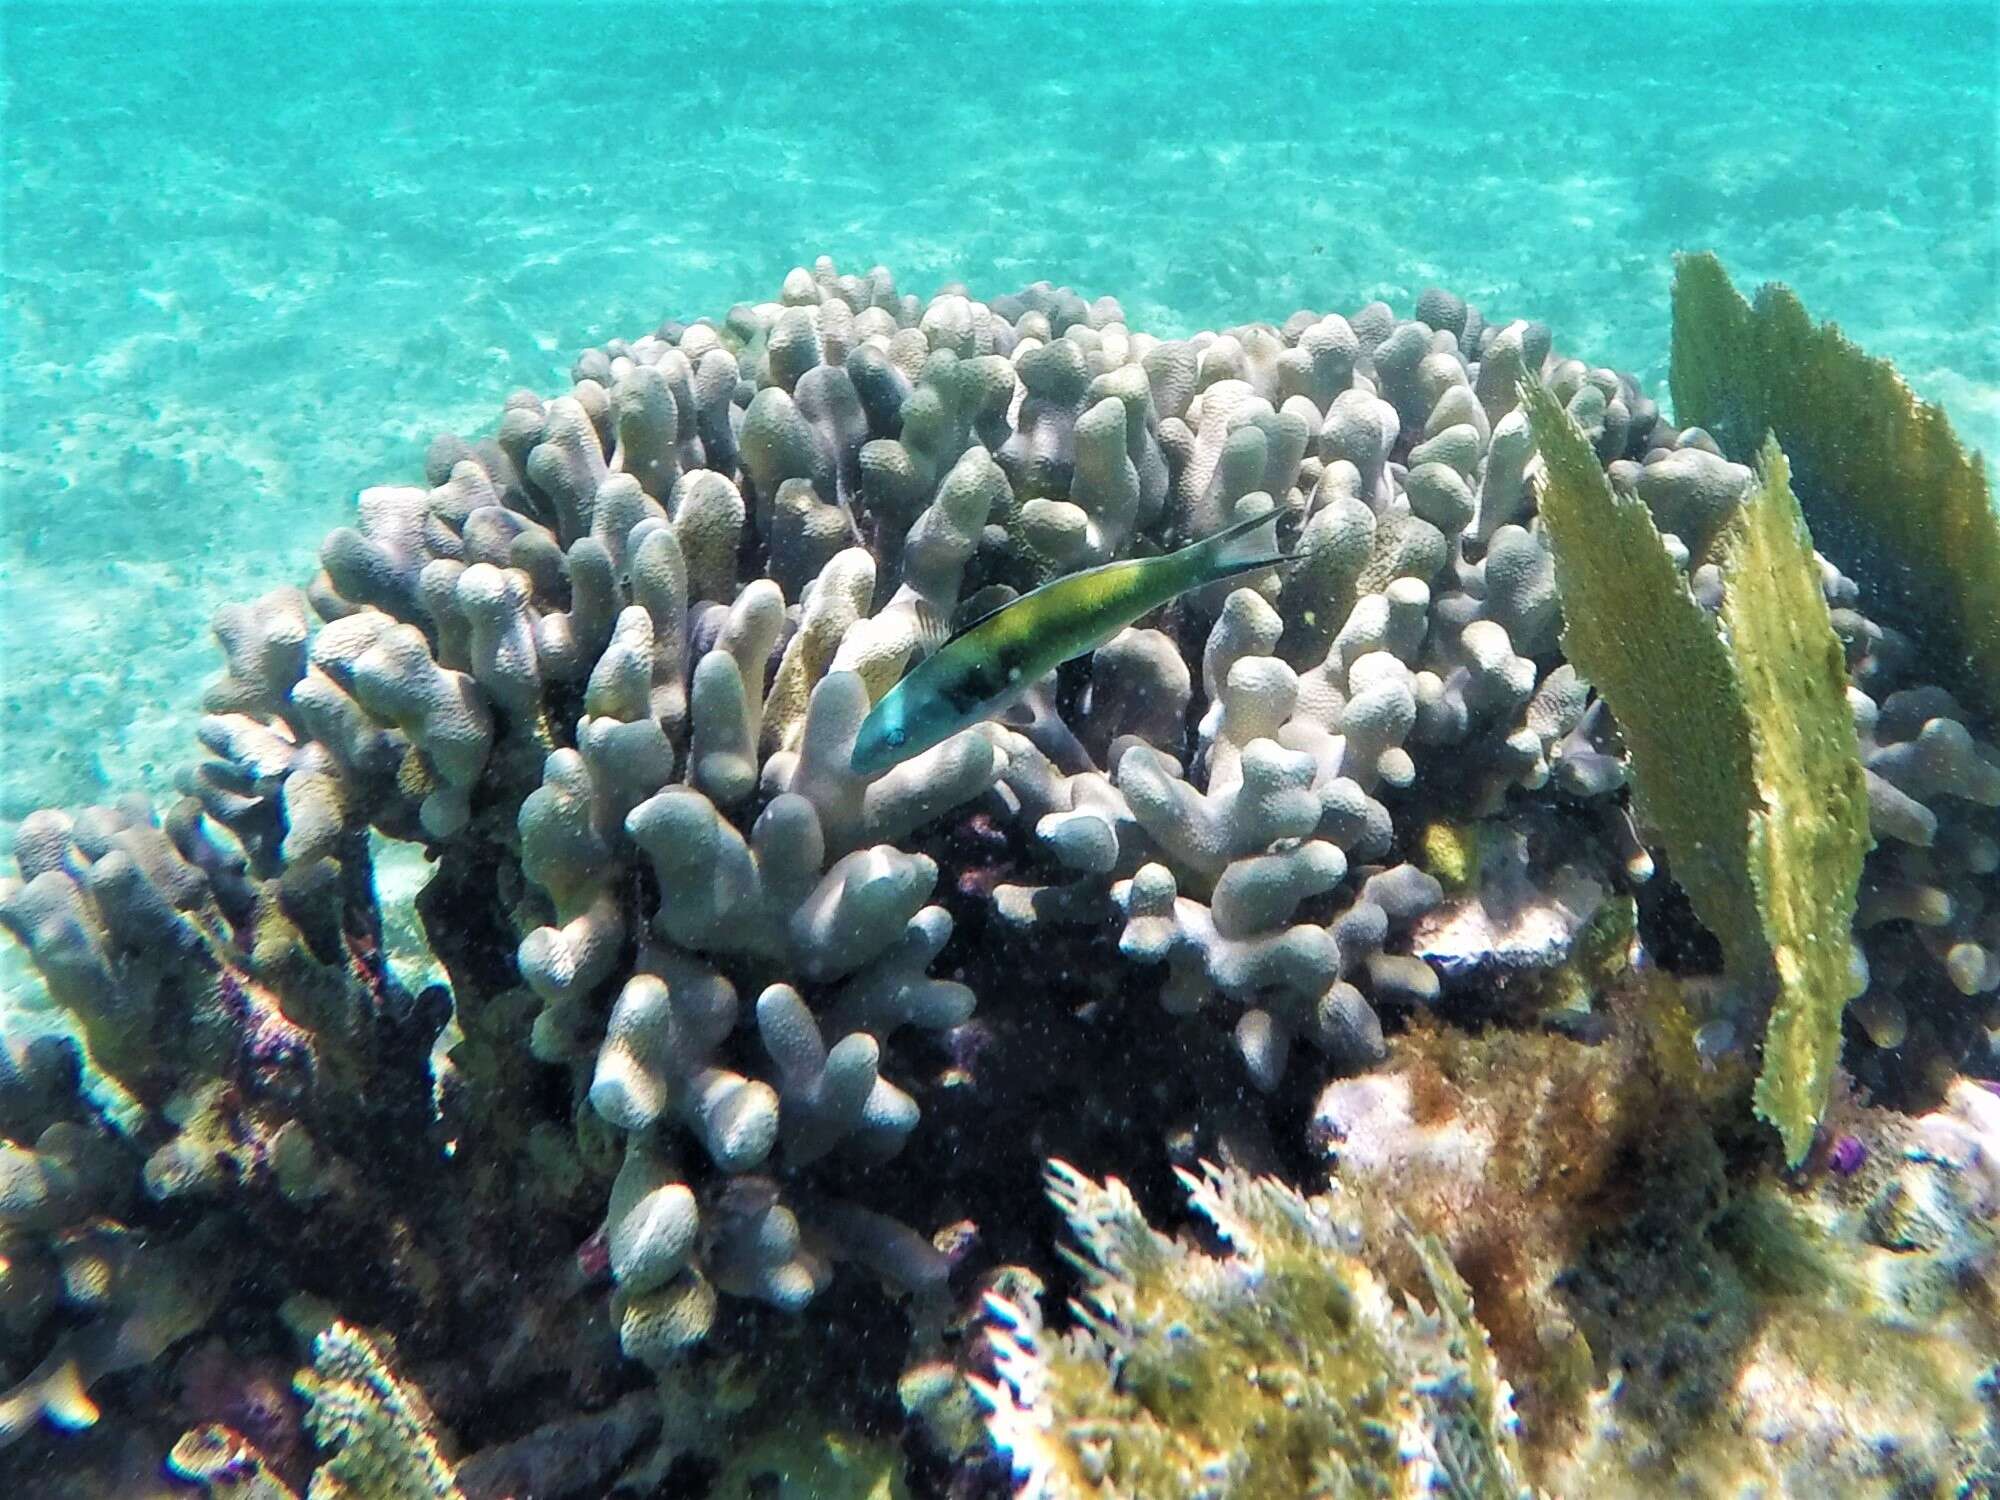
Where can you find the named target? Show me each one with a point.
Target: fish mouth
(871, 760)
(876, 751)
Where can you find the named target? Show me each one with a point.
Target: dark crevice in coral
(1670, 930)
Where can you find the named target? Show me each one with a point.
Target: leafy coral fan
(720, 1016)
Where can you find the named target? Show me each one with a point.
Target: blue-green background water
(254, 256)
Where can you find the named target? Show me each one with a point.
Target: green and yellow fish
(996, 659)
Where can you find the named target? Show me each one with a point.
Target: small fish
(997, 658)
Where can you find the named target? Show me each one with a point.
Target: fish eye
(895, 736)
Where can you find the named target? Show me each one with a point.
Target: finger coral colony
(1527, 959)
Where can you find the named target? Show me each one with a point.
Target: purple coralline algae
(1846, 1155)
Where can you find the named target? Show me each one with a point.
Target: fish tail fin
(1248, 545)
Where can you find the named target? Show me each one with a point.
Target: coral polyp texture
(711, 1152)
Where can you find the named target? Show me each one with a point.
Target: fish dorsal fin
(933, 629)
(992, 592)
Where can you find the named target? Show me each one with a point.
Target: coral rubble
(724, 1032)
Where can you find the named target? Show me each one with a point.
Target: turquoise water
(255, 255)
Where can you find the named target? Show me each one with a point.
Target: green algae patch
(1809, 822)
(806, 1460)
(1599, 959)
(1449, 853)
(1743, 750)
(1890, 493)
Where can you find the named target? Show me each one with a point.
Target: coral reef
(381, 1431)
(382, 1437)
(717, 1030)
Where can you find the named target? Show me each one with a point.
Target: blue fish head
(877, 748)
(884, 739)
(910, 718)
